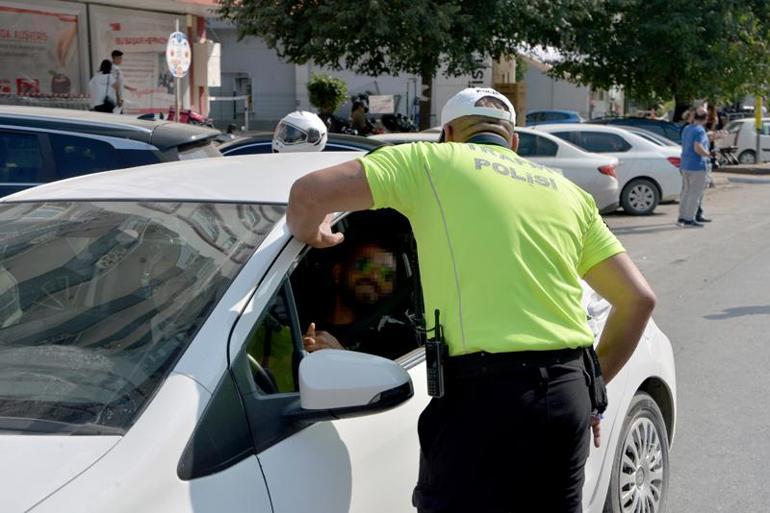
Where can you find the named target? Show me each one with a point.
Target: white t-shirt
(118, 76)
(101, 86)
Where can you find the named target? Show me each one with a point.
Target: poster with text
(142, 37)
(39, 50)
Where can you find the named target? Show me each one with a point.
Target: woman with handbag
(103, 89)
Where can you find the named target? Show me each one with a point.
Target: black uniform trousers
(510, 435)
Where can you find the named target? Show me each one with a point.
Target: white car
(647, 173)
(743, 134)
(592, 172)
(151, 357)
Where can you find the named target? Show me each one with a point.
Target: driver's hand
(315, 340)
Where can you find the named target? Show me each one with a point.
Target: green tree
(418, 37)
(326, 93)
(659, 49)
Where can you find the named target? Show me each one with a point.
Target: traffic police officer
(503, 244)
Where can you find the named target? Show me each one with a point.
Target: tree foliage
(658, 49)
(419, 37)
(326, 92)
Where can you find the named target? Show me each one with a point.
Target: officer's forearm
(304, 215)
(621, 334)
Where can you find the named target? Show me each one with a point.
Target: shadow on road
(645, 228)
(740, 311)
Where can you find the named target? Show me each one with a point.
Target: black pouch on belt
(597, 390)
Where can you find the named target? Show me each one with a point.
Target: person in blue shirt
(695, 156)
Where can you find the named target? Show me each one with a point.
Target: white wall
(272, 80)
(544, 92)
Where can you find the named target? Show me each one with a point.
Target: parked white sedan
(647, 173)
(151, 357)
(595, 174)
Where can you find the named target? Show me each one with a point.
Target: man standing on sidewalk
(695, 155)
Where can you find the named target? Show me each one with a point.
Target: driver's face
(371, 274)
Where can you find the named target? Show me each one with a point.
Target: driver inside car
(364, 314)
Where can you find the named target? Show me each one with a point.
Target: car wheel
(640, 197)
(747, 157)
(640, 470)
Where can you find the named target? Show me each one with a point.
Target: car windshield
(98, 300)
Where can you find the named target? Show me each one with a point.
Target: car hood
(36, 466)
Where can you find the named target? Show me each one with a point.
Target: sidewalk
(745, 169)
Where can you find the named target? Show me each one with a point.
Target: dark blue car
(544, 117)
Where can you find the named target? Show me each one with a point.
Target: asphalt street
(713, 288)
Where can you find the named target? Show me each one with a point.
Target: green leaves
(672, 48)
(326, 93)
(414, 36)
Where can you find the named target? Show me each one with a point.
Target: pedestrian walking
(117, 73)
(103, 89)
(694, 162)
(503, 245)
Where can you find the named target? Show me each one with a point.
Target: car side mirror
(336, 384)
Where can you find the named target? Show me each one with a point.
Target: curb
(756, 169)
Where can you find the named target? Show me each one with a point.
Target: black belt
(484, 364)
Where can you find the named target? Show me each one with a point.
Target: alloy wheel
(641, 197)
(642, 469)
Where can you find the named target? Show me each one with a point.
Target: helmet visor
(290, 134)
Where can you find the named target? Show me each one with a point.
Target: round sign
(178, 54)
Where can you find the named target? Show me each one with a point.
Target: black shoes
(702, 219)
(684, 223)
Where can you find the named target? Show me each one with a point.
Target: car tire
(640, 469)
(640, 197)
(747, 157)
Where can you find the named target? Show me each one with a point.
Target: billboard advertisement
(142, 37)
(41, 49)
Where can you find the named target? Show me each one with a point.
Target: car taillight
(608, 170)
(675, 161)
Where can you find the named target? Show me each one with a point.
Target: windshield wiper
(55, 427)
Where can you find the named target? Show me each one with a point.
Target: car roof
(634, 121)
(162, 134)
(555, 111)
(345, 139)
(249, 178)
(402, 137)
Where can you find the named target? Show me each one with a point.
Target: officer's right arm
(621, 283)
(610, 272)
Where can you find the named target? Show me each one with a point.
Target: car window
(531, 145)
(77, 156)
(273, 349)
(602, 142)
(365, 293)
(734, 127)
(765, 128)
(21, 160)
(98, 300)
(250, 149)
(133, 158)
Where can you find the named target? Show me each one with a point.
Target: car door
(605, 143)
(25, 161)
(366, 464)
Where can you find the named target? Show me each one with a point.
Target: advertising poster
(39, 50)
(142, 37)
